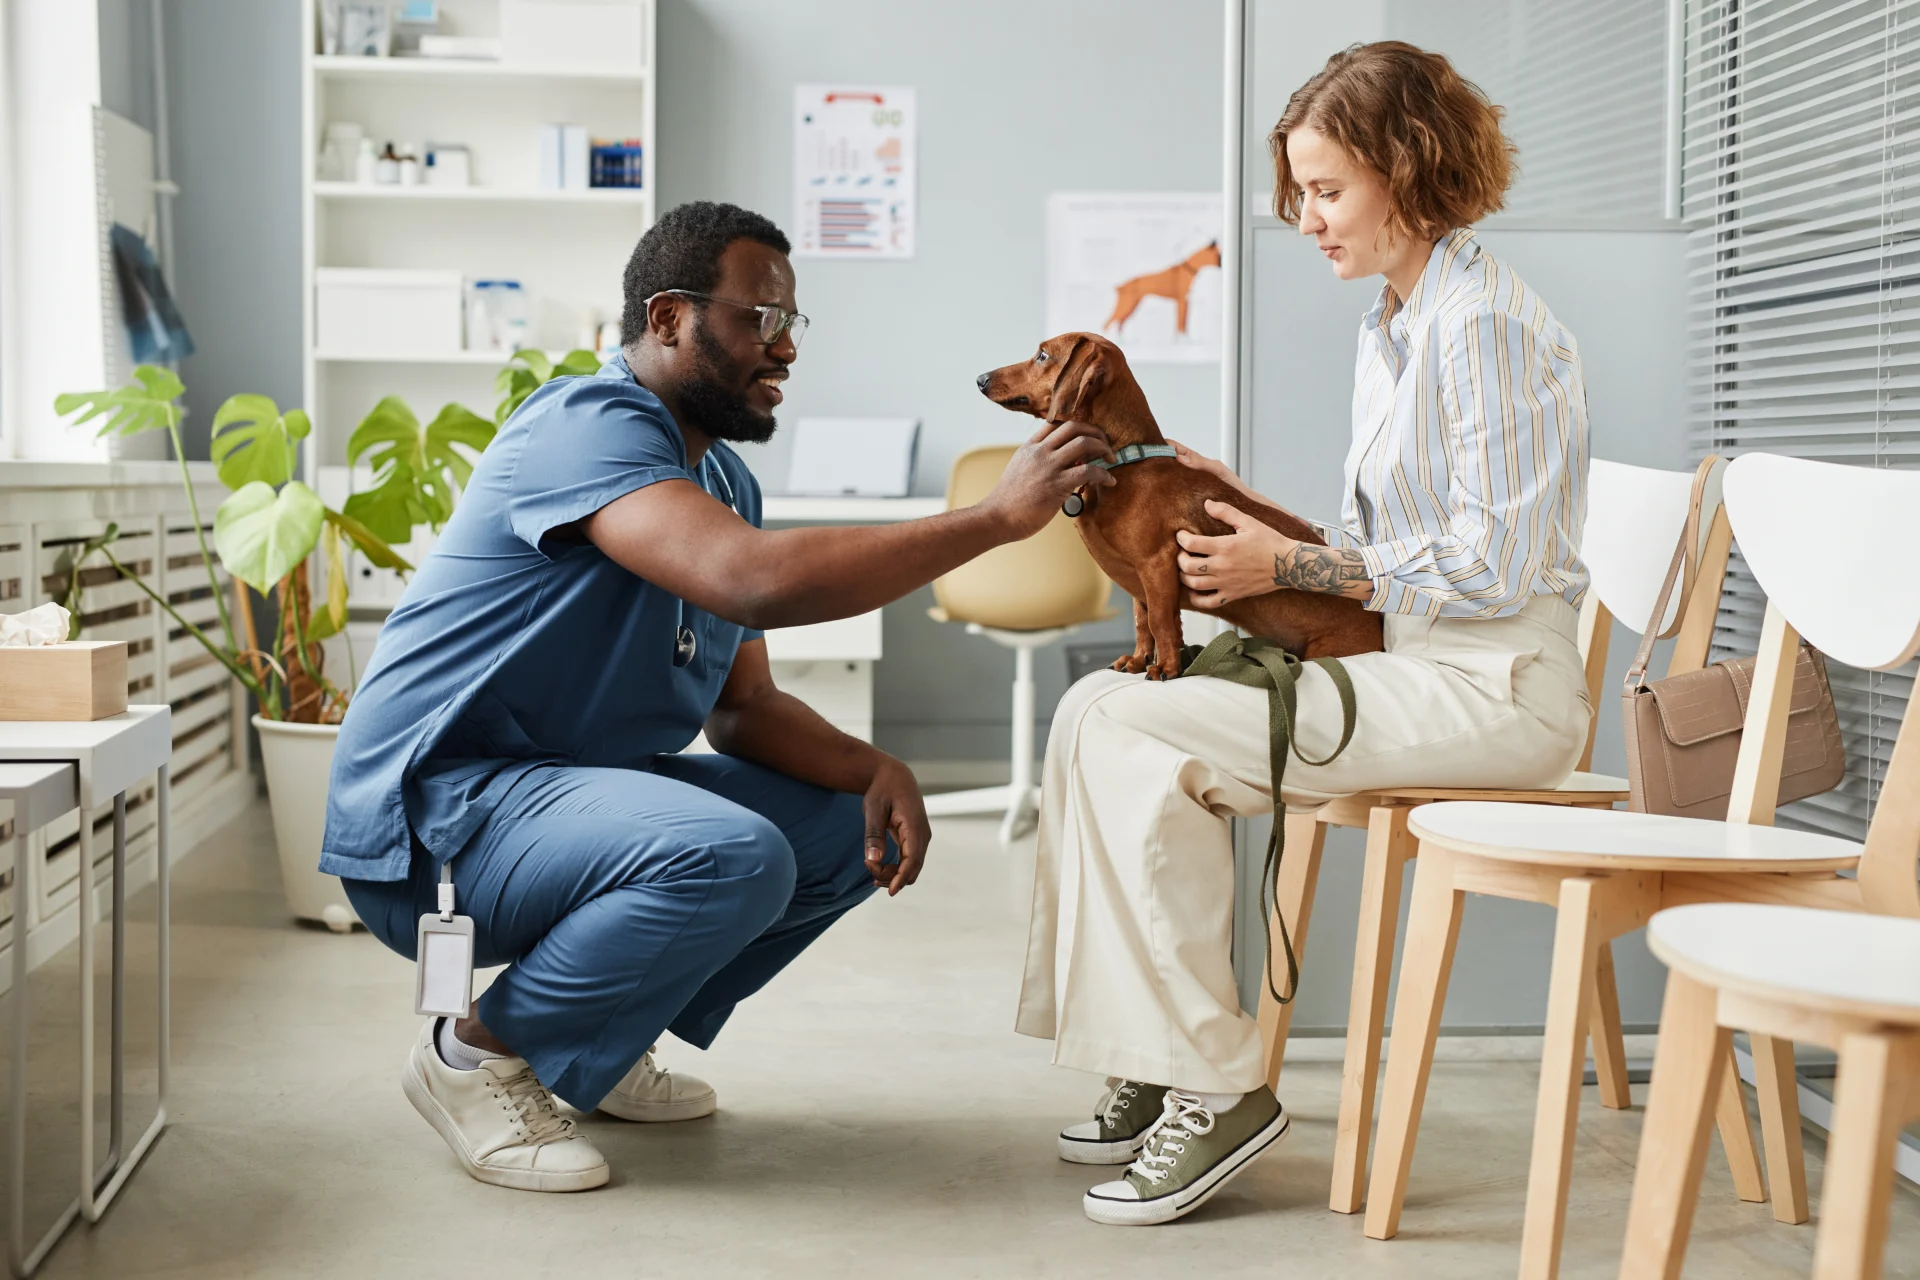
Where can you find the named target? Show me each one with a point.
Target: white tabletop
(113, 753)
(40, 793)
(792, 509)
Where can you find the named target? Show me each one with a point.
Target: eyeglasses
(774, 321)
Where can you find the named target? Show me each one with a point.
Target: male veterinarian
(596, 601)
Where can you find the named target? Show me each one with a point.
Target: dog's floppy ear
(1082, 377)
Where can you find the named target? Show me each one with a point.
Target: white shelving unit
(567, 248)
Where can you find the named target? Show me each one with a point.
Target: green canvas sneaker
(1117, 1130)
(1190, 1153)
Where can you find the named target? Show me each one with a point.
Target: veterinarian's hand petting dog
(1253, 560)
(1057, 454)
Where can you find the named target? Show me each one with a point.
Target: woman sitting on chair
(1464, 497)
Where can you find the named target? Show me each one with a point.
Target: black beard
(710, 403)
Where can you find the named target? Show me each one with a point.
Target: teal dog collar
(1136, 453)
(1075, 504)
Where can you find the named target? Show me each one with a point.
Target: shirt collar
(1451, 255)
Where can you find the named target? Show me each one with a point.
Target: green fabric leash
(1261, 664)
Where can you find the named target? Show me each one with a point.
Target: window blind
(1800, 186)
(1583, 83)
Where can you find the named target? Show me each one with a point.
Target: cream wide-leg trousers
(1129, 956)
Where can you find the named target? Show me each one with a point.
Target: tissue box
(78, 680)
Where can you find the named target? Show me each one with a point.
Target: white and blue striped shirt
(1466, 480)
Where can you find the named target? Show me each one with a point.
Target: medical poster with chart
(853, 171)
(1142, 269)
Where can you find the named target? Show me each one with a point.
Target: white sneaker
(650, 1093)
(501, 1122)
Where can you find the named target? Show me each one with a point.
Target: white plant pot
(299, 759)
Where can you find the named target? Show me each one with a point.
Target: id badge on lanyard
(443, 984)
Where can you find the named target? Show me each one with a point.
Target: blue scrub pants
(628, 902)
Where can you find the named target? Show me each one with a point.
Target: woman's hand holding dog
(1210, 466)
(1057, 460)
(1253, 560)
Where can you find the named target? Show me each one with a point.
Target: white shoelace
(649, 1069)
(532, 1105)
(1119, 1097)
(1182, 1116)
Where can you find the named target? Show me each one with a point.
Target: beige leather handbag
(1683, 732)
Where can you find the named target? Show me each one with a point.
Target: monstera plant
(268, 528)
(270, 525)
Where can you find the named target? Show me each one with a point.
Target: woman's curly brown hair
(1430, 133)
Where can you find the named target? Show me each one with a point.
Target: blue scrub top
(512, 648)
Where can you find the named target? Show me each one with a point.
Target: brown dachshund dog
(1174, 283)
(1130, 528)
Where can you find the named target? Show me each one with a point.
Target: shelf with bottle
(381, 191)
(437, 70)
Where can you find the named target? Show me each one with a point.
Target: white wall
(1017, 98)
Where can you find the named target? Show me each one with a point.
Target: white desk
(788, 509)
(102, 758)
(829, 665)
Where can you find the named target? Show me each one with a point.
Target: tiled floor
(878, 1118)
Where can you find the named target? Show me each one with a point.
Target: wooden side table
(99, 759)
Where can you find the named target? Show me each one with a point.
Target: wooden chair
(1792, 973)
(1830, 977)
(1818, 537)
(1635, 516)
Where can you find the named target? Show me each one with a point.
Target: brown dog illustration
(1172, 283)
(1129, 526)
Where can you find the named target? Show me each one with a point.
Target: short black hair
(682, 251)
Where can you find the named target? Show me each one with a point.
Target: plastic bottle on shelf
(386, 170)
(365, 162)
(409, 165)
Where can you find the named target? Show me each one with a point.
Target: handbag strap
(1637, 673)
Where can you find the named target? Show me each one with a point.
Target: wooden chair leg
(1389, 845)
(1779, 1096)
(1585, 914)
(1874, 1075)
(1689, 1064)
(1299, 875)
(1736, 1132)
(1426, 961)
(1608, 1042)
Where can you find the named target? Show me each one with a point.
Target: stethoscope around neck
(685, 645)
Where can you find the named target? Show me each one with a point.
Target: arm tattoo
(1327, 570)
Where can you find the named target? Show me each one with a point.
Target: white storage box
(843, 639)
(363, 312)
(574, 35)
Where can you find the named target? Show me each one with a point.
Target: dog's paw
(1132, 664)
(1164, 671)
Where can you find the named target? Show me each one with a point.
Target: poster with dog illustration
(1143, 269)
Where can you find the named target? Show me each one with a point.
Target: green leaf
(336, 575)
(367, 543)
(320, 625)
(253, 441)
(261, 535)
(455, 425)
(417, 470)
(577, 363)
(530, 369)
(145, 404)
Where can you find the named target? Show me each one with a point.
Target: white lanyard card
(443, 983)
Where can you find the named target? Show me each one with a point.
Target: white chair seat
(1558, 835)
(1844, 961)
(1579, 788)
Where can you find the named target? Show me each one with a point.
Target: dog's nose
(982, 381)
